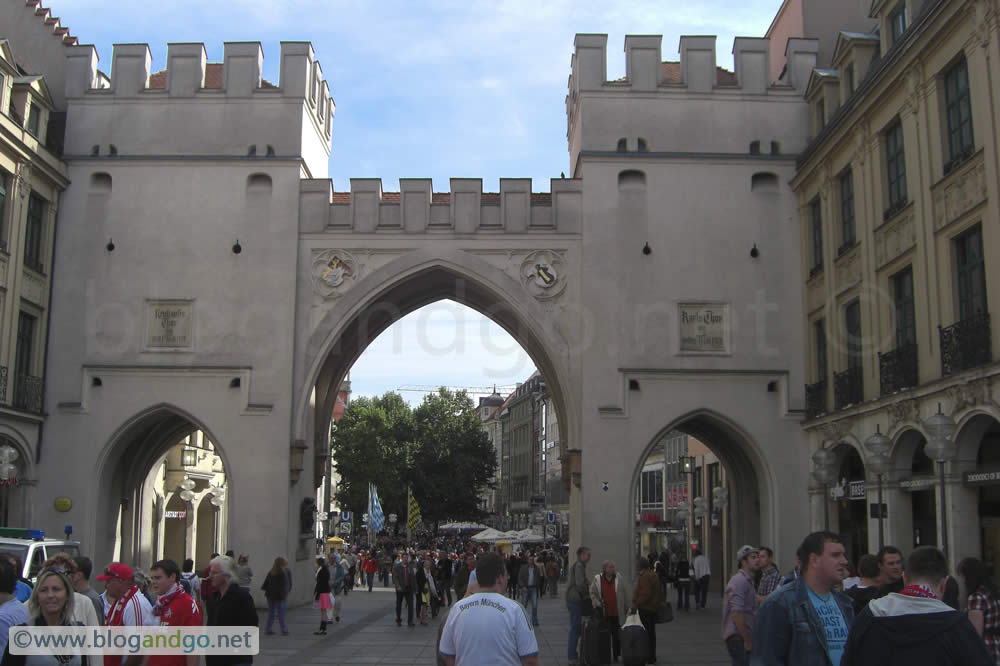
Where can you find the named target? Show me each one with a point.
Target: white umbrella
(490, 535)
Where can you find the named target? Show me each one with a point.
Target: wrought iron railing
(28, 393)
(815, 399)
(965, 344)
(847, 387)
(897, 369)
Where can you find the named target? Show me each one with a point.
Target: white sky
(437, 89)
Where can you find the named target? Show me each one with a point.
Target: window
(25, 344)
(958, 110)
(847, 209)
(819, 332)
(33, 232)
(189, 457)
(34, 119)
(652, 487)
(896, 166)
(852, 322)
(971, 272)
(897, 22)
(817, 236)
(4, 180)
(902, 297)
(755, 147)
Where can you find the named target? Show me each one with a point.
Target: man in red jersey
(174, 608)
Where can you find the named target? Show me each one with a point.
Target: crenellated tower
(197, 108)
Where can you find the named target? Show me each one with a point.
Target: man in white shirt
(702, 576)
(487, 628)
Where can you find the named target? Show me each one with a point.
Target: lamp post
(825, 471)
(688, 468)
(720, 501)
(940, 448)
(878, 462)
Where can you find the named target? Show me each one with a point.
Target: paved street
(367, 634)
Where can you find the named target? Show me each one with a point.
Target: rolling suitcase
(635, 644)
(595, 642)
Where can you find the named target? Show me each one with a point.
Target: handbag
(665, 613)
(632, 620)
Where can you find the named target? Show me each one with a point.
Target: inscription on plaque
(169, 324)
(704, 328)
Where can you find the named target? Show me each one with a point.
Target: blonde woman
(50, 605)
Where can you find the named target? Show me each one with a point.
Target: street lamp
(720, 502)
(825, 463)
(878, 462)
(940, 448)
(187, 489)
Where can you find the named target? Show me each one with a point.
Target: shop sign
(918, 483)
(175, 514)
(651, 517)
(856, 490)
(982, 477)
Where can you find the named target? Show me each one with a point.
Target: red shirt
(181, 612)
(610, 596)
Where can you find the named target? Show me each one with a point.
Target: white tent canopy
(526, 536)
(491, 535)
(462, 526)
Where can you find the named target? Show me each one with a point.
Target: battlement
(241, 113)
(416, 208)
(696, 71)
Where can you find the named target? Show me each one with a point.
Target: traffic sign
(550, 517)
(550, 530)
(345, 528)
(345, 516)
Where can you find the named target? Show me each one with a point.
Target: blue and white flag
(375, 517)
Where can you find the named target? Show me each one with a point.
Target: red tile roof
(213, 78)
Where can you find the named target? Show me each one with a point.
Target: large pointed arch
(407, 284)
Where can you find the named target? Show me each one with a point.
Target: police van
(32, 548)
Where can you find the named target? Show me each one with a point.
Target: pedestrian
(22, 589)
(702, 576)
(983, 603)
(609, 593)
(529, 580)
(127, 607)
(445, 578)
(230, 606)
(577, 598)
(890, 570)
(770, 575)
(84, 611)
(739, 605)
(682, 581)
(244, 574)
(51, 605)
(12, 611)
(914, 627)
(426, 590)
(403, 577)
(81, 583)
(207, 589)
(513, 569)
(867, 587)
(370, 566)
(647, 599)
(552, 571)
(277, 585)
(174, 608)
(805, 623)
(191, 578)
(385, 567)
(488, 627)
(463, 576)
(322, 599)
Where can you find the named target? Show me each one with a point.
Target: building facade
(898, 199)
(489, 415)
(32, 178)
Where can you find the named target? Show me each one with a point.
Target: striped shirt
(769, 581)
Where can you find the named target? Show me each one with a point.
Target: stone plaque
(170, 324)
(704, 328)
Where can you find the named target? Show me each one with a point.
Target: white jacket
(621, 592)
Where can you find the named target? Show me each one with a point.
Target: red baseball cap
(117, 570)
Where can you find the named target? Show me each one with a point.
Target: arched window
(259, 183)
(763, 181)
(775, 148)
(622, 145)
(100, 182)
(755, 147)
(631, 180)
(643, 148)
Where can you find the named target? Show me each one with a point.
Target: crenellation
(296, 68)
(81, 69)
(241, 68)
(185, 69)
(590, 62)
(698, 70)
(751, 58)
(130, 69)
(417, 209)
(642, 61)
(801, 55)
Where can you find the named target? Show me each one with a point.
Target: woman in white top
(51, 604)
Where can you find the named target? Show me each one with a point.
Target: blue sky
(435, 89)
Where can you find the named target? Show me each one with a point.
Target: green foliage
(438, 449)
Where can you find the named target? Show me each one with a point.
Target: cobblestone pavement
(367, 634)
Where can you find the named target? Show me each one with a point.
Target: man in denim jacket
(788, 629)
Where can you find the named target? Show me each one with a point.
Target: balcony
(965, 345)
(28, 393)
(847, 388)
(815, 399)
(897, 369)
